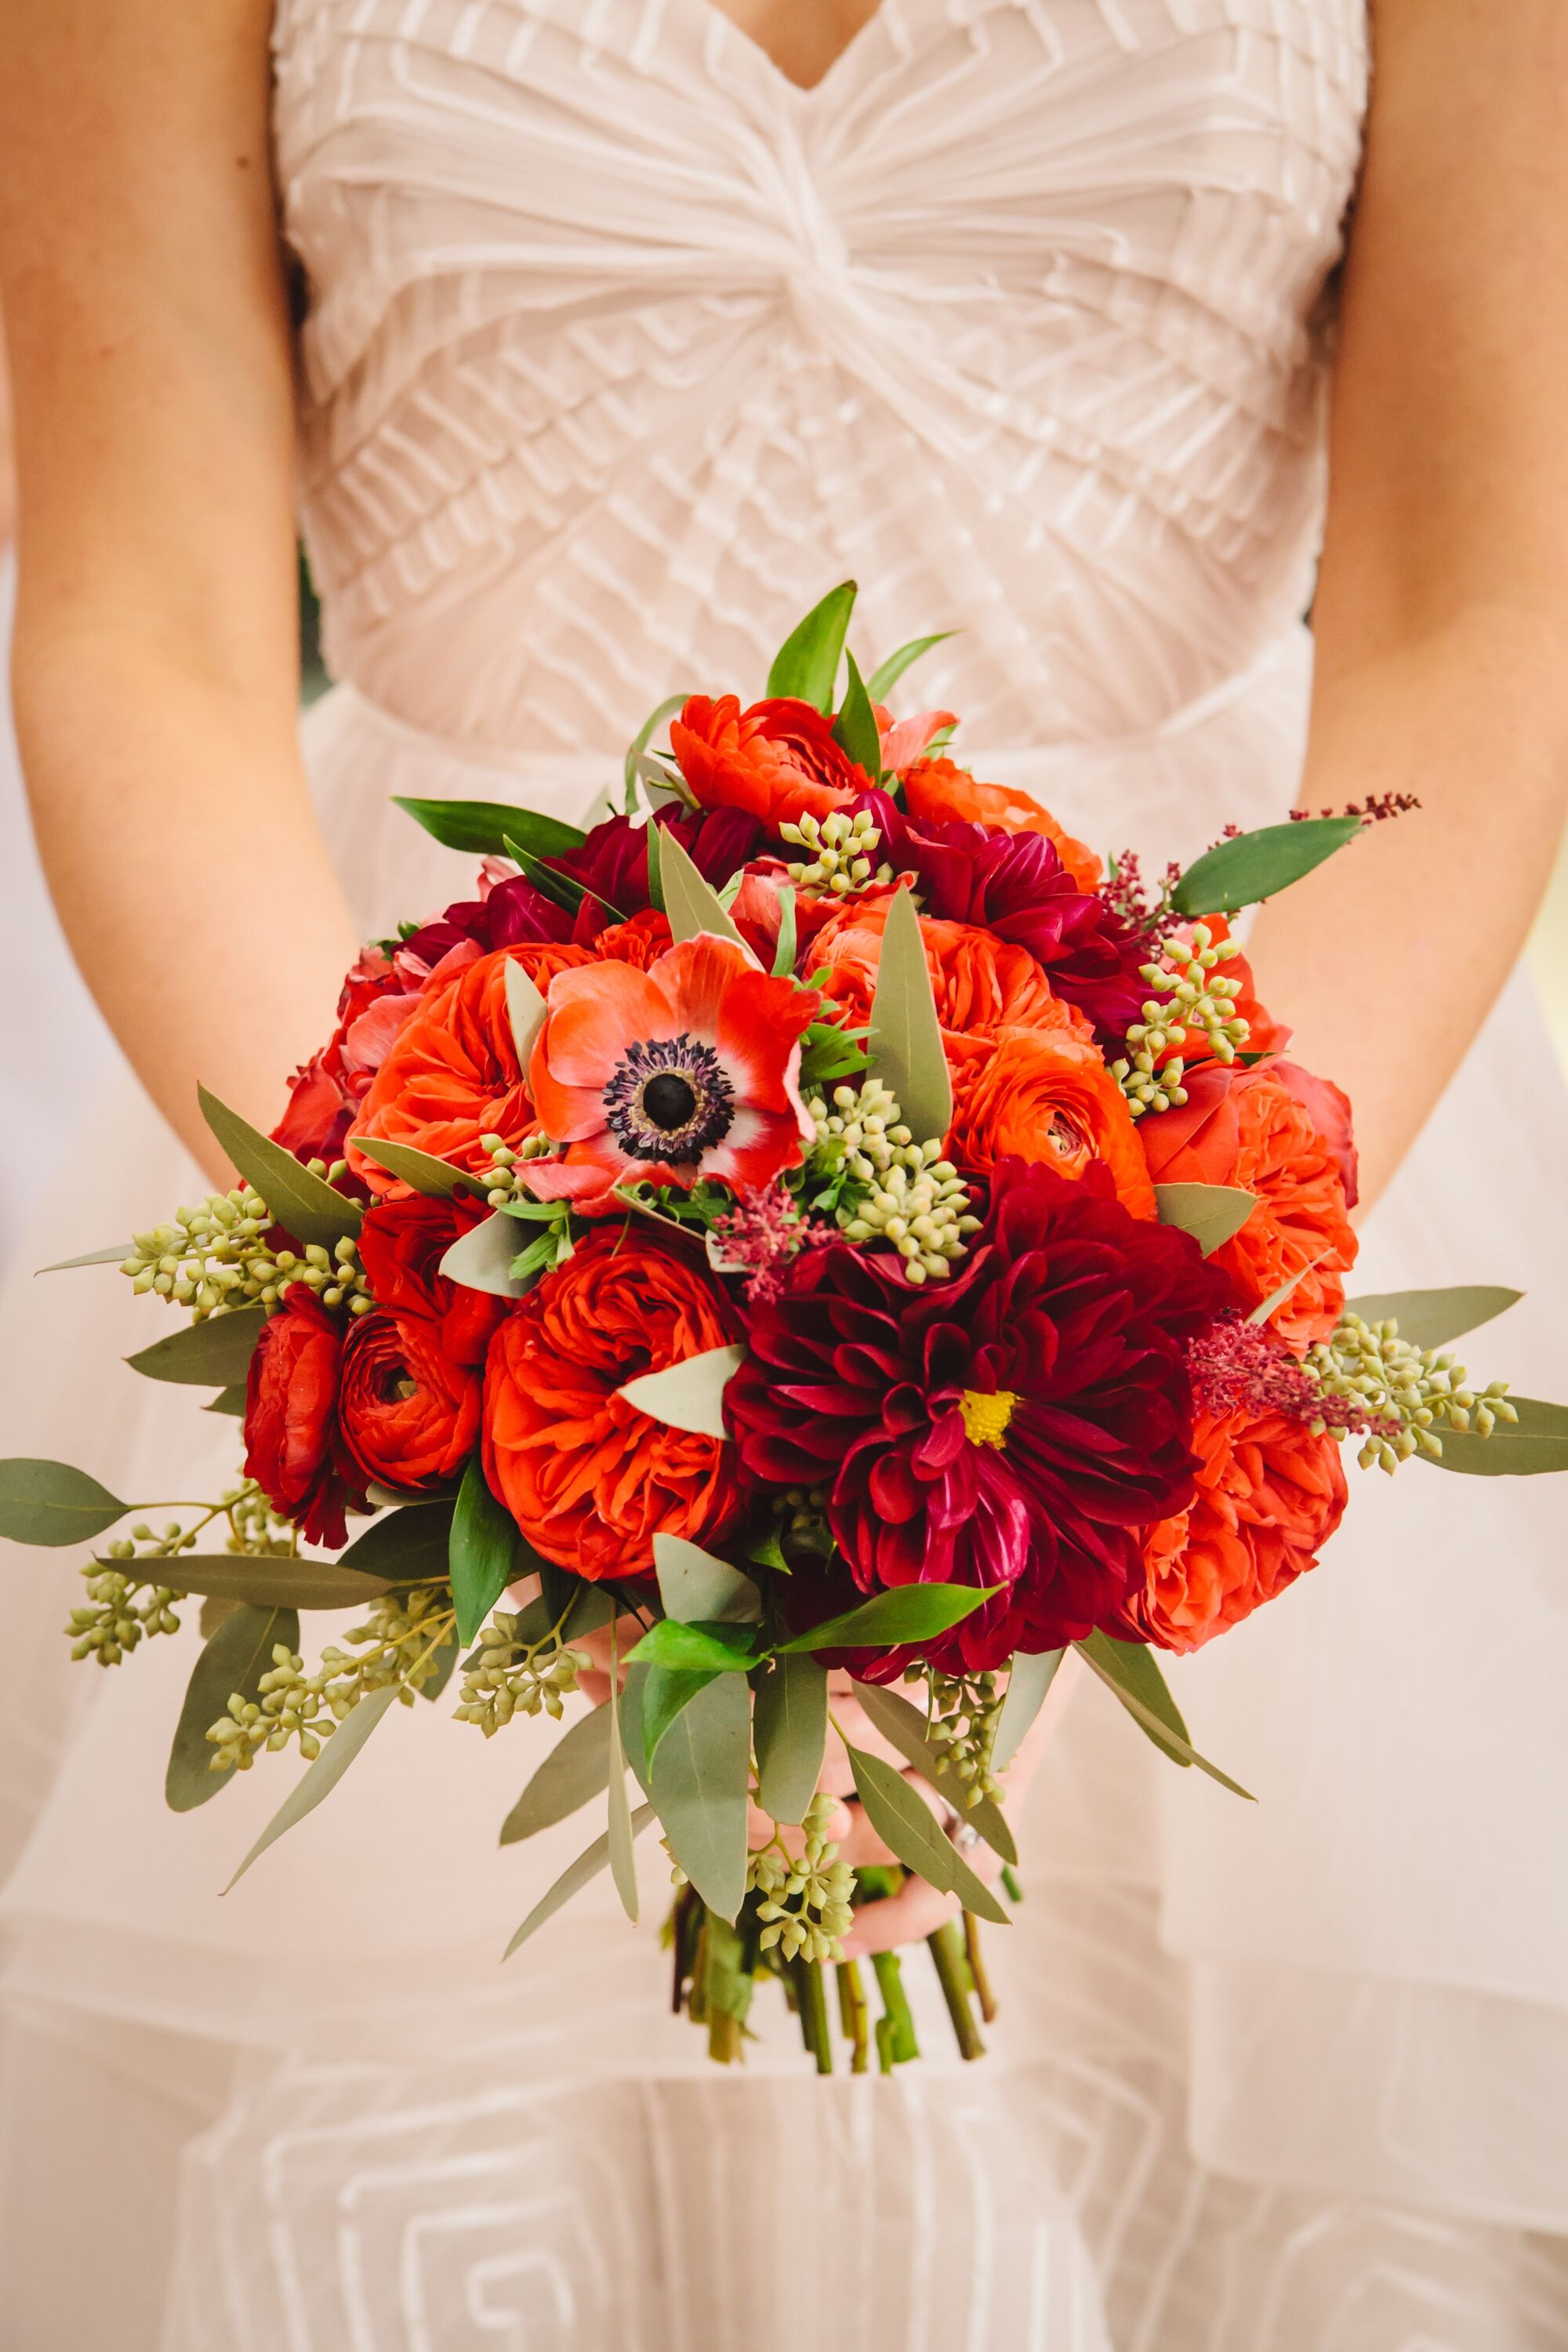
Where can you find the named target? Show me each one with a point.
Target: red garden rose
(400, 1246)
(588, 1478)
(408, 1414)
(294, 1448)
(777, 760)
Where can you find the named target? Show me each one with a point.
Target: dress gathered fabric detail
(620, 350)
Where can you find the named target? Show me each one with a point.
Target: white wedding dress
(620, 350)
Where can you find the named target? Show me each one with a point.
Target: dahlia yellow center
(987, 1415)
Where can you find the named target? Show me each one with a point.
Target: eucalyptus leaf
(855, 728)
(698, 1649)
(306, 1206)
(695, 1587)
(886, 676)
(408, 1546)
(113, 1255)
(785, 954)
(1535, 1448)
(52, 1503)
(700, 1785)
(634, 1680)
(482, 1258)
(905, 1044)
(687, 1395)
(583, 1872)
(1288, 1288)
(1432, 1319)
(215, 1353)
(643, 737)
(575, 1771)
(1212, 1214)
(656, 841)
(482, 828)
(231, 1401)
(432, 1178)
(622, 1863)
(321, 1777)
(904, 1822)
(905, 1726)
(234, 1661)
(1029, 1679)
(483, 1552)
(805, 668)
(264, 1582)
(446, 1658)
(691, 904)
(1254, 866)
(789, 1725)
(908, 1613)
(526, 1009)
(666, 1692)
(1140, 1685)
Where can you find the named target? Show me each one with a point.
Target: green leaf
(696, 1589)
(805, 667)
(643, 737)
(268, 1583)
(526, 1009)
(1256, 865)
(855, 728)
(238, 1654)
(408, 1546)
(305, 1205)
(1128, 1668)
(666, 1692)
(697, 1649)
(886, 676)
(571, 1882)
(229, 1401)
(446, 1658)
(432, 1178)
(323, 1775)
(1432, 1319)
(483, 1557)
(656, 838)
(622, 1863)
(482, 1258)
(904, 1822)
(1538, 1446)
(1029, 1680)
(691, 903)
(790, 1728)
(110, 1256)
(575, 1771)
(700, 1780)
(1212, 1214)
(687, 1395)
(212, 1354)
(1288, 1288)
(785, 954)
(51, 1503)
(481, 828)
(905, 1044)
(905, 1726)
(908, 1612)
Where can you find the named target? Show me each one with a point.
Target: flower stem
(973, 1953)
(854, 2015)
(953, 1974)
(898, 2045)
(814, 2015)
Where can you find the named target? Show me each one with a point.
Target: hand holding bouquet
(818, 1220)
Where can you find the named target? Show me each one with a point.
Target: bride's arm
(155, 666)
(1442, 615)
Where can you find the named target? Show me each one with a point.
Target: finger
(861, 1844)
(911, 1915)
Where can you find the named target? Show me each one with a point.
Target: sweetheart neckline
(804, 92)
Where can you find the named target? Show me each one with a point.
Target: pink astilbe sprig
(1127, 894)
(1376, 809)
(1236, 1366)
(762, 1235)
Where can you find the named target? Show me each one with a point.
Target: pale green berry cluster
(123, 1609)
(511, 1675)
(806, 1907)
(965, 1712)
(841, 849)
(126, 1606)
(217, 1256)
(498, 1180)
(1188, 995)
(399, 1645)
(1414, 1390)
(905, 1193)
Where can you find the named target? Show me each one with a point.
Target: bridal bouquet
(821, 1223)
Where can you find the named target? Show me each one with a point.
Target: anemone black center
(670, 1101)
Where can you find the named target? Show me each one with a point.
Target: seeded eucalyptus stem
(811, 1993)
(973, 1955)
(897, 2041)
(953, 1974)
(854, 2015)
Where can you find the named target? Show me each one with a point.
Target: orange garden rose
(1246, 1129)
(979, 982)
(777, 760)
(1269, 1497)
(1044, 1097)
(939, 790)
(588, 1478)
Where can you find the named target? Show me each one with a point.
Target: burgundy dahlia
(1016, 1427)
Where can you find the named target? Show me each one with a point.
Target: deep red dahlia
(1017, 1426)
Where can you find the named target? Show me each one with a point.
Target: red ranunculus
(400, 1246)
(409, 1415)
(294, 1447)
(777, 760)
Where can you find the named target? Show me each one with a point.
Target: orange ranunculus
(452, 1074)
(1246, 1128)
(589, 1479)
(1044, 1097)
(637, 941)
(777, 760)
(939, 790)
(1269, 1497)
(980, 982)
